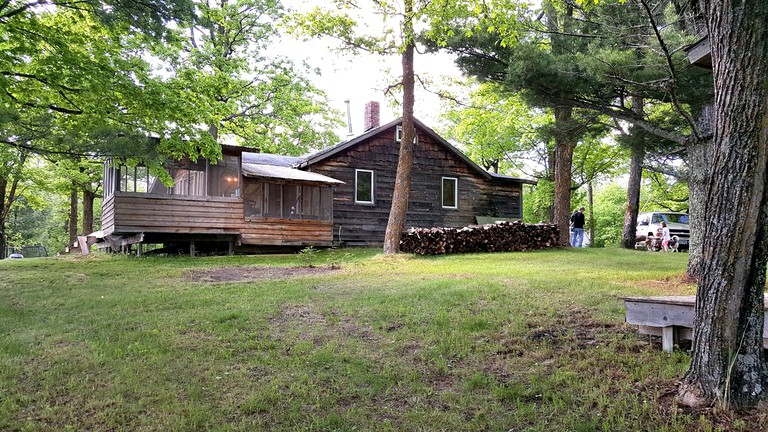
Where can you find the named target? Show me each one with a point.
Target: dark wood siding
(293, 232)
(130, 213)
(136, 212)
(365, 223)
(108, 215)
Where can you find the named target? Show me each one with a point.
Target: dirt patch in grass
(574, 328)
(307, 323)
(681, 284)
(303, 315)
(250, 274)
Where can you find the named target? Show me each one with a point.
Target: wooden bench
(670, 317)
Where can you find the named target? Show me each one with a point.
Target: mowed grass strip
(517, 341)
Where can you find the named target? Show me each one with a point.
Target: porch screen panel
(189, 179)
(109, 178)
(291, 202)
(326, 203)
(310, 199)
(253, 197)
(142, 179)
(224, 177)
(125, 185)
(273, 200)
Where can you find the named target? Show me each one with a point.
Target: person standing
(577, 234)
(665, 237)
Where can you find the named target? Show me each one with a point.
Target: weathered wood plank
(233, 211)
(179, 198)
(668, 339)
(659, 314)
(158, 217)
(267, 234)
(681, 300)
(669, 316)
(123, 229)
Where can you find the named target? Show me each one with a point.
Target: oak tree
(728, 362)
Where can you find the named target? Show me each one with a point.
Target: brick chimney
(371, 119)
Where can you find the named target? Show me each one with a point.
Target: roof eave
(515, 179)
(699, 53)
(254, 176)
(345, 145)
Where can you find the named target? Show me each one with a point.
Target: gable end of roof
(321, 155)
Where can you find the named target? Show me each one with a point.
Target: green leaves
(498, 128)
(341, 25)
(229, 84)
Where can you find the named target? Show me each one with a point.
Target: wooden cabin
(212, 203)
(339, 195)
(447, 188)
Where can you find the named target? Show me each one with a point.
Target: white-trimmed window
(450, 192)
(399, 135)
(364, 186)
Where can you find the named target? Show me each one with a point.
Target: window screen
(326, 203)
(224, 177)
(273, 200)
(290, 202)
(253, 196)
(310, 202)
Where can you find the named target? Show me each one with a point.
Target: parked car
(649, 229)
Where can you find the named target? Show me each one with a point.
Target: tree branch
(20, 9)
(626, 115)
(673, 87)
(678, 174)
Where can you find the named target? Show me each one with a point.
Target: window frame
(455, 193)
(373, 187)
(399, 134)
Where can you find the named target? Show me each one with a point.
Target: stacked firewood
(498, 237)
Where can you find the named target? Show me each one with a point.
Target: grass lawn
(517, 341)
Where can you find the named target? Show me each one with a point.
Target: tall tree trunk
(3, 242)
(564, 146)
(213, 130)
(637, 156)
(559, 21)
(551, 168)
(8, 187)
(399, 209)
(88, 198)
(72, 228)
(591, 218)
(728, 362)
(629, 234)
(699, 154)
